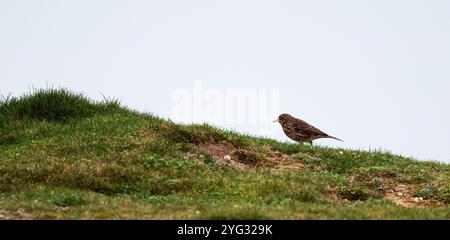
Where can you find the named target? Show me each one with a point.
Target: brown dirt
(19, 214)
(224, 153)
(400, 197)
(398, 193)
(227, 154)
(404, 195)
(4, 215)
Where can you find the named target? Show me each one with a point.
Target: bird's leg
(310, 142)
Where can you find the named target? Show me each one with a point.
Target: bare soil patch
(391, 189)
(227, 154)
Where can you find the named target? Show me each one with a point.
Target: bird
(299, 130)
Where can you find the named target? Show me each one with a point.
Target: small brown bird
(299, 130)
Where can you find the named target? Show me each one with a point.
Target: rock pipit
(299, 130)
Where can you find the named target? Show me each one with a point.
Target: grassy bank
(63, 156)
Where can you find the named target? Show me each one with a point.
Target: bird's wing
(292, 129)
(307, 129)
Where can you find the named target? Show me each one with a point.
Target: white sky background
(374, 73)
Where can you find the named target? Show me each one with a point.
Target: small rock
(227, 158)
(65, 209)
(21, 212)
(416, 199)
(400, 187)
(400, 193)
(341, 152)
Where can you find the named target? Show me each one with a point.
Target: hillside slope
(63, 156)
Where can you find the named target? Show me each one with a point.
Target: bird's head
(282, 118)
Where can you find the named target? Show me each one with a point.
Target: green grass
(63, 156)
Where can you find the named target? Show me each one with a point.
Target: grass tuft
(58, 105)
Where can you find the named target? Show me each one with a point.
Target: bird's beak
(276, 120)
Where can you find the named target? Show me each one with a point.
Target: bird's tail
(334, 138)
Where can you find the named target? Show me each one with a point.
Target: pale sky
(373, 73)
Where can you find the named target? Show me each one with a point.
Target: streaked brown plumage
(299, 130)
